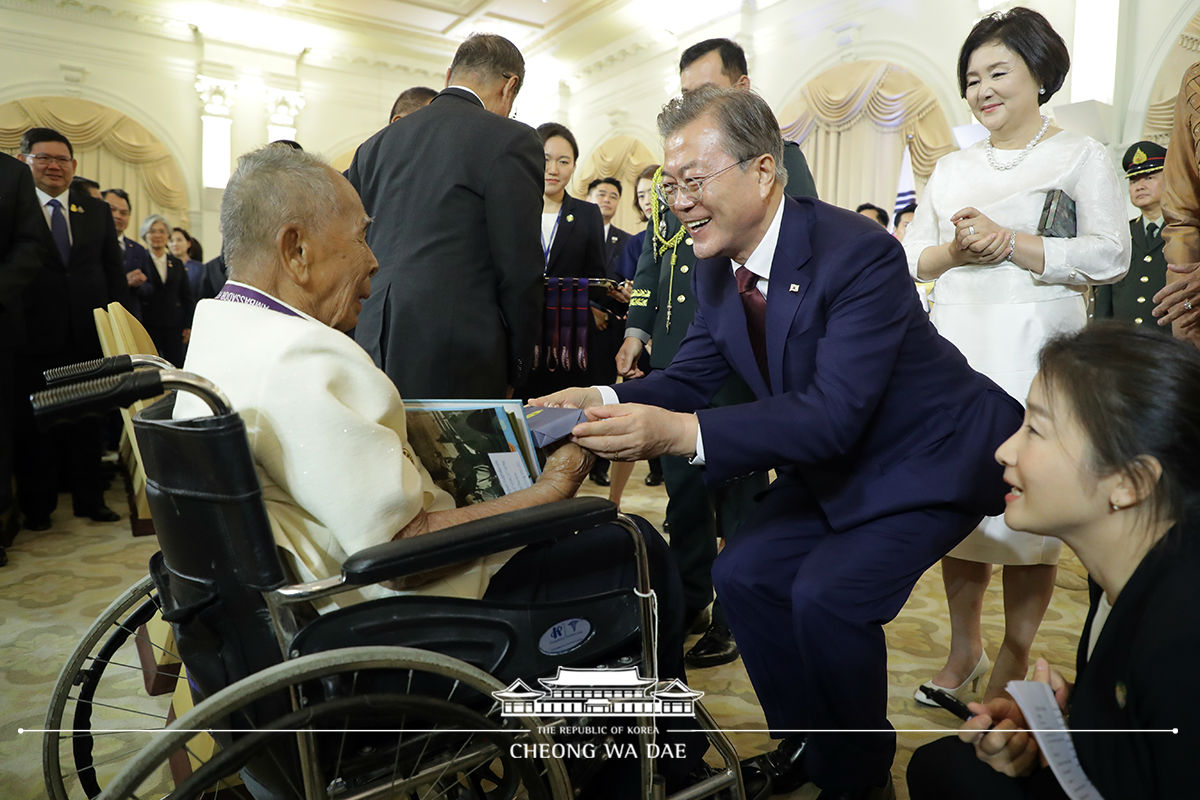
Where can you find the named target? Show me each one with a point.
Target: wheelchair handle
(103, 367)
(96, 395)
(118, 391)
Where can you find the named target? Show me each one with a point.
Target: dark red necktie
(756, 316)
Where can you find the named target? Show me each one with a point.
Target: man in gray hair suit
(456, 194)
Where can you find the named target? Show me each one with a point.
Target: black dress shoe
(784, 765)
(885, 792)
(101, 514)
(37, 523)
(600, 478)
(715, 647)
(654, 479)
(756, 782)
(3, 557)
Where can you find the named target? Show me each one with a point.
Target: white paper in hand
(1037, 703)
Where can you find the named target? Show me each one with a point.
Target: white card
(510, 469)
(1037, 703)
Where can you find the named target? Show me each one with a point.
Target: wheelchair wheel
(101, 690)
(370, 721)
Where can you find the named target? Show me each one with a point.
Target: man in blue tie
(879, 432)
(82, 270)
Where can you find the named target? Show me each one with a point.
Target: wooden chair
(121, 333)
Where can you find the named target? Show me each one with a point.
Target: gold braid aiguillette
(662, 243)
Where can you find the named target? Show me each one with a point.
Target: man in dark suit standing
(455, 190)
(881, 435)
(82, 270)
(137, 260)
(606, 194)
(660, 310)
(20, 259)
(1131, 298)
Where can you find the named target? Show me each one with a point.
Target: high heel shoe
(974, 678)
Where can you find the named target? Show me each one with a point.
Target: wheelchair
(391, 697)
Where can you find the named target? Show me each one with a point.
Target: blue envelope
(550, 425)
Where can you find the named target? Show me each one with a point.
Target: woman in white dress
(1002, 290)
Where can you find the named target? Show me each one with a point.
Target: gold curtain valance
(889, 97)
(620, 157)
(91, 126)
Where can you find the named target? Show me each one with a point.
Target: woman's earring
(1042, 90)
(1114, 506)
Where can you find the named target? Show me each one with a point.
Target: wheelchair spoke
(127, 709)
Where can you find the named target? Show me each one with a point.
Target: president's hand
(578, 397)
(630, 432)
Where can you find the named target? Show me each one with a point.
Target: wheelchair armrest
(475, 539)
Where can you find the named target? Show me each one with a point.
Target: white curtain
(110, 148)
(620, 157)
(852, 122)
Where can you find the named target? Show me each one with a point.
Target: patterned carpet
(58, 581)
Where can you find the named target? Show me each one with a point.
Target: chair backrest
(104, 331)
(218, 553)
(130, 334)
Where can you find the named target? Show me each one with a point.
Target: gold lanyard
(662, 243)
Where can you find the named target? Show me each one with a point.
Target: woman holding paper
(1001, 289)
(1108, 461)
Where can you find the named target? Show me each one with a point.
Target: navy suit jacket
(868, 408)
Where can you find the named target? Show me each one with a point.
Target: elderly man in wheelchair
(374, 676)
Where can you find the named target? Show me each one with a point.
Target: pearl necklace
(991, 151)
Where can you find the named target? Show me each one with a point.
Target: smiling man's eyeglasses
(43, 160)
(691, 188)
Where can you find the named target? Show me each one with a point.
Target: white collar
(276, 299)
(473, 93)
(760, 259)
(44, 198)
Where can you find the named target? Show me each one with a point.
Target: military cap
(1143, 158)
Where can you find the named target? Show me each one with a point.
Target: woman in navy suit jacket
(167, 305)
(573, 247)
(1108, 461)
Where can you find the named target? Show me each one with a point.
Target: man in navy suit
(82, 270)
(880, 433)
(137, 260)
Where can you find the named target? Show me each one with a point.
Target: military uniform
(1130, 299)
(661, 308)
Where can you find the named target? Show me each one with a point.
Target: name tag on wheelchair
(563, 637)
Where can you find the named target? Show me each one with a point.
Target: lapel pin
(570, 217)
(795, 287)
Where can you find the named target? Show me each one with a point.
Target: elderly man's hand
(1179, 302)
(578, 397)
(135, 278)
(566, 468)
(630, 431)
